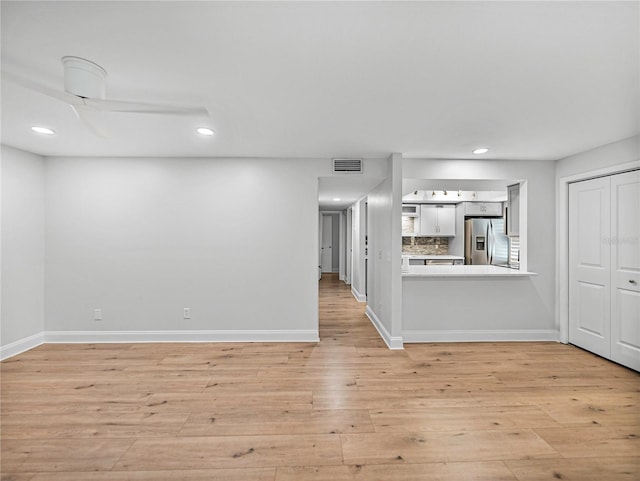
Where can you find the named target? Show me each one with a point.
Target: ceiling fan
(85, 91)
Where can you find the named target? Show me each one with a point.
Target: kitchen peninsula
(488, 296)
(463, 271)
(448, 303)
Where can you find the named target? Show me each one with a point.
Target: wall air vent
(347, 166)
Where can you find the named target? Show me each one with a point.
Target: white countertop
(430, 257)
(465, 271)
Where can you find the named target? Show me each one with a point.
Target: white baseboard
(359, 297)
(503, 335)
(21, 345)
(391, 342)
(181, 336)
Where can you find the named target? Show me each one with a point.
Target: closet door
(625, 269)
(589, 265)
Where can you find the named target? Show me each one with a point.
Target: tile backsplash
(425, 245)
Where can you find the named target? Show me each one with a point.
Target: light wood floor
(344, 409)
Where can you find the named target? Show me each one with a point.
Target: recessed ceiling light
(337, 199)
(204, 131)
(482, 150)
(42, 130)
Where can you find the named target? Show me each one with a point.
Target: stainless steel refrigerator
(485, 242)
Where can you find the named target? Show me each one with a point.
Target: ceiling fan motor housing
(84, 78)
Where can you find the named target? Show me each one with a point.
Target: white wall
(380, 229)
(536, 294)
(23, 245)
(608, 155)
(235, 240)
(385, 255)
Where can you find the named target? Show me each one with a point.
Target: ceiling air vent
(347, 166)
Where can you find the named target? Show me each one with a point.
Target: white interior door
(589, 265)
(625, 269)
(326, 247)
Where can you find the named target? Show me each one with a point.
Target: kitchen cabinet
(411, 210)
(438, 220)
(410, 226)
(433, 260)
(410, 220)
(483, 208)
(513, 210)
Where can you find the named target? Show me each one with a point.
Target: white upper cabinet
(483, 208)
(410, 220)
(438, 220)
(411, 210)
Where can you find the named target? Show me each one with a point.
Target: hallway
(344, 409)
(342, 319)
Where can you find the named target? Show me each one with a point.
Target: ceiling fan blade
(80, 112)
(49, 92)
(142, 108)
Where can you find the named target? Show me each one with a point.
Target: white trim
(391, 342)
(21, 346)
(181, 336)
(359, 297)
(504, 335)
(562, 243)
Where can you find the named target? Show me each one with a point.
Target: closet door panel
(589, 266)
(625, 269)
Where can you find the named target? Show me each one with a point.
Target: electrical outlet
(186, 314)
(97, 314)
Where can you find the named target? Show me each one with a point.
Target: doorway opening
(331, 247)
(342, 231)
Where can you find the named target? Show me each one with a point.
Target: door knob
(631, 281)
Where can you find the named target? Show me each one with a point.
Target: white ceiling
(530, 80)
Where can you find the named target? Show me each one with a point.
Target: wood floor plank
(247, 474)
(390, 448)
(35, 455)
(583, 442)
(27, 404)
(213, 401)
(272, 384)
(474, 471)
(594, 469)
(92, 425)
(231, 452)
(481, 418)
(244, 422)
(4, 476)
(393, 399)
(589, 411)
